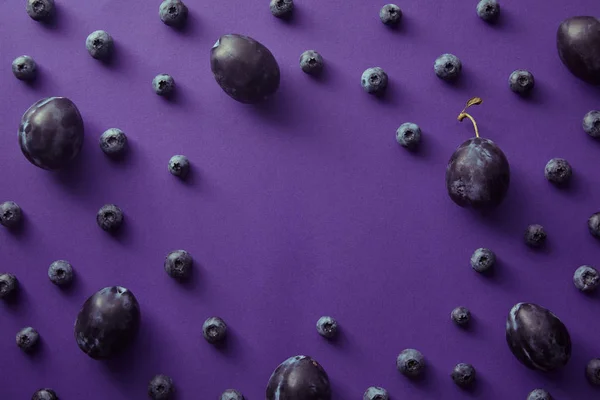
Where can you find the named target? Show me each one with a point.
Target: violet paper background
(302, 207)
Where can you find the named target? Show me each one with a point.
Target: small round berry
(592, 371)
(24, 68)
(45, 394)
(586, 279)
(8, 285)
(521, 81)
(447, 67)
(376, 393)
(173, 13)
(27, 339)
(408, 135)
(40, 10)
(327, 327)
(163, 84)
(178, 264)
(535, 236)
(390, 14)
(100, 45)
(161, 388)
(281, 8)
(483, 260)
(488, 10)
(558, 171)
(179, 166)
(61, 273)
(539, 394)
(232, 394)
(594, 225)
(214, 330)
(461, 316)
(311, 62)
(113, 142)
(110, 218)
(591, 123)
(10, 214)
(410, 363)
(463, 374)
(374, 80)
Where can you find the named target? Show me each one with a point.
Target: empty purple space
(301, 207)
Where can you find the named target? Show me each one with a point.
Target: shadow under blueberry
(230, 346)
(18, 299)
(189, 27)
(37, 352)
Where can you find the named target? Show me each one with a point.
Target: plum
(478, 173)
(578, 43)
(537, 337)
(51, 133)
(107, 323)
(299, 378)
(244, 68)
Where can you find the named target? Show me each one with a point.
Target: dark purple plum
(478, 173)
(299, 378)
(578, 43)
(51, 133)
(107, 323)
(537, 337)
(244, 68)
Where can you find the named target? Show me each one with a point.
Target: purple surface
(300, 208)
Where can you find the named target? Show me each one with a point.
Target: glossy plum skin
(478, 174)
(51, 133)
(299, 378)
(107, 323)
(244, 68)
(537, 337)
(578, 43)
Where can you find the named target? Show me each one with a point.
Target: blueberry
(179, 166)
(113, 142)
(447, 67)
(327, 327)
(591, 123)
(586, 278)
(539, 394)
(311, 62)
(10, 214)
(178, 264)
(40, 10)
(408, 135)
(521, 82)
(374, 81)
(163, 84)
(535, 236)
(8, 285)
(488, 10)
(214, 330)
(100, 45)
(558, 171)
(463, 374)
(461, 316)
(61, 273)
(282, 8)
(173, 13)
(24, 68)
(483, 260)
(390, 14)
(592, 371)
(376, 393)
(410, 363)
(110, 218)
(44, 394)
(27, 339)
(161, 388)
(594, 225)
(231, 394)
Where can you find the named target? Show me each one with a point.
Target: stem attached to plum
(472, 102)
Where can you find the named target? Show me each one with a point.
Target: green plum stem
(464, 115)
